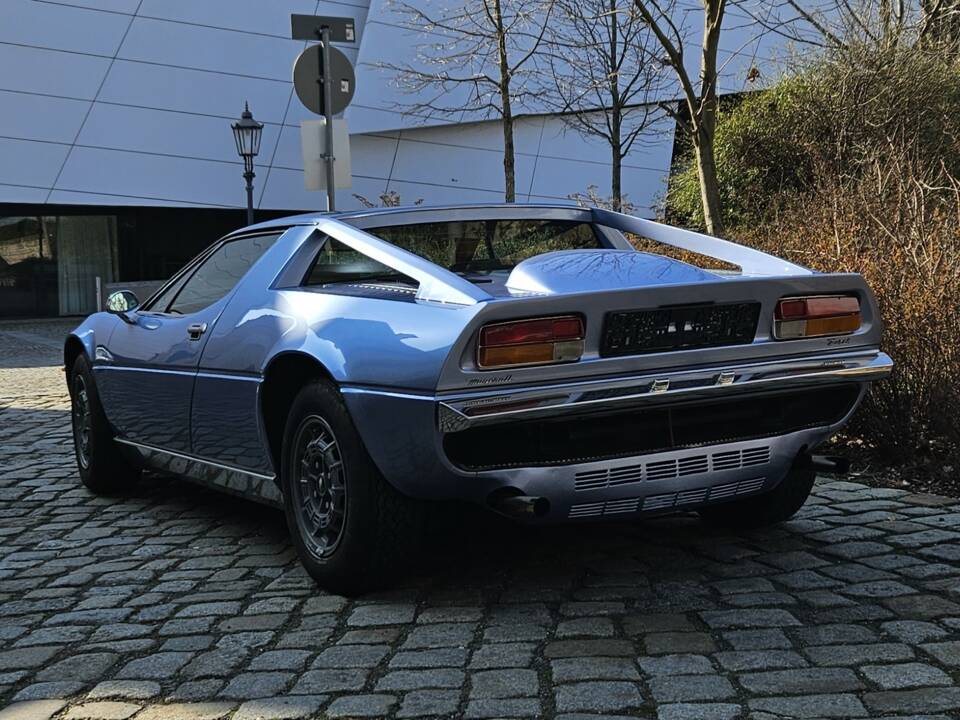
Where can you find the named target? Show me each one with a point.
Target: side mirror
(120, 302)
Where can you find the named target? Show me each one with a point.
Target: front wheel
(776, 506)
(103, 469)
(352, 530)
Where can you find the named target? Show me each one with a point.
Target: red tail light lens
(530, 342)
(816, 316)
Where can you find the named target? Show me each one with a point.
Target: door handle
(196, 330)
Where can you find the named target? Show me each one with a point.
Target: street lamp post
(246, 133)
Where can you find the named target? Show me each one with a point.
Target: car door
(147, 385)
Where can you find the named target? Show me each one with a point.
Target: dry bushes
(852, 165)
(902, 233)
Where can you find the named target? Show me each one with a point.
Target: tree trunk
(616, 179)
(709, 186)
(509, 177)
(704, 116)
(616, 108)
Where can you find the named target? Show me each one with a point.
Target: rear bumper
(405, 435)
(466, 410)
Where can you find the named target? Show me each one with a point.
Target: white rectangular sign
(313, 142)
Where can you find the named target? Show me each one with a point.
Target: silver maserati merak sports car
(349, 367)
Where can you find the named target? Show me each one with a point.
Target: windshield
(473, 247)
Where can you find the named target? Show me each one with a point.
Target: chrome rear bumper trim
(466, 410)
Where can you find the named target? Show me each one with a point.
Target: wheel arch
(283, 378)
(72, 349)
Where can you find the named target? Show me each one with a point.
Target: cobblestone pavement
(174, 602)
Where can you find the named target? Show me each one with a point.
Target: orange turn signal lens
(816, 316)
(537, 341)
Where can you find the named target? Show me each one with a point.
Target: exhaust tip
(834, 464)
(520, 506)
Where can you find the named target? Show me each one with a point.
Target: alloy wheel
(319, 485)
(82, 421)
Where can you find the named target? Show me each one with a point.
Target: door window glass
(219, 273)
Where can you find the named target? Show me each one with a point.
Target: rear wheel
(352, 530)
(776, 506)
(103, 468)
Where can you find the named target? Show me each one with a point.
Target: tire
(776, 506)
(352, 530)
(103, 468)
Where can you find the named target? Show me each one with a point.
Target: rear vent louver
(670, 469)
(666, 501)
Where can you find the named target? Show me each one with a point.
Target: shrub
(851, 165)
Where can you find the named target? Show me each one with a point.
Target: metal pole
(328, 157)
(248, 176)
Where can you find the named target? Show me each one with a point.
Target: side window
(219, 273)
(338, 263)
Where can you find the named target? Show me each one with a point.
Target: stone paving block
(381, 614)
(698, 711)
(690, 688)
(422, 703)
(49, 690)
(496, 655)
(657, 622)
(126, 689)
(598, 697)
(908, 702)
(26, 658)
(102, 710)
(922, 607)
(82, 667)
(32, 710)
(738, 660)
(905, 675)
(196, 690)
(585, 648)
(187, 711)
(721, 619)
(676, 665)
(593, 668)
(947, 653)
(251, 685)
(679, 642)
(158, 666)
(503, 707)
(290, 707)
(441, 657)
(353, 706)
(810, 706)
(281, 660)
(351, 656)
(913, 631)
(421, 679)
(319, 682)
(504, 683)
(835, 634)
(800, 680)
(581, 627)
(858, 654)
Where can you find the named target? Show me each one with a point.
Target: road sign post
(335, 80)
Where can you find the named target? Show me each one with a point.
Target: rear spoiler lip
(464, 410)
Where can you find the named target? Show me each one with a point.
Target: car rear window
(479, 246)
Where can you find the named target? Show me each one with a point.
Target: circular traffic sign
(306, 72)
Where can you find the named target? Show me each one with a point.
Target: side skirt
(236, 481)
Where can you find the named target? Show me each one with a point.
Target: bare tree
(600, 73)
(842, 26)
(699, 96)
(477, 57)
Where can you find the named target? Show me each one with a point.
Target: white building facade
(117, 160)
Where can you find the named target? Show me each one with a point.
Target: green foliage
(827, 125)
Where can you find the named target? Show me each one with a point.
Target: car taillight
(530, 342)
(816, 316)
